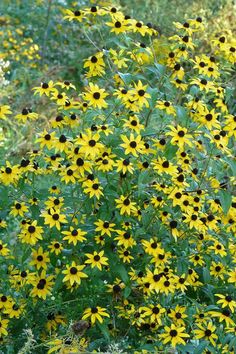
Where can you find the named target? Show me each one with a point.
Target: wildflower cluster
(122, 219)
(16, 46)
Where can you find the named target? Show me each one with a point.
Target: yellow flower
(95, 96)
(166, 106)
(95, 314)
(42, 285)
(206, 332)
(180, 136)
(74, 235)
(4, 251)
(3, 326)
(93, 188)
(9, 174)
(45, 88)
(132, 145)
(174, 334)
(19, 209)
(73, 273)
(40, 258)
(226, 300)
(90, 145)
(125, 205)
(4, 111)
(74, 15)
(104, 227)
(96, 259)
(53, 217)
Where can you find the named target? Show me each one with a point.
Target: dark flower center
(117, 24)
(133, 144)
(92, 143)
(173, 333)
(73, 270)
(96, 95)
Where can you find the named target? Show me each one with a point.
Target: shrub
(117, 229)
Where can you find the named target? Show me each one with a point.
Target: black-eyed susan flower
(95, 64)
(93, 188)
(124, 166)
(55, 247)
(40, 258)
(89, 144)
(132, 145)
(31, 233)
(226, 301)
(223, 315)
(74, 235)
(104, 227)
(133, 123)
(203, 84)
(9, 174)
(46, 88)
(19, 208)
(178, 315)
(76, 15)
(124, 239)
(125, 255)
(125, 205)
(26, 114)
(174, 334)
(217, 269)
(14, 310)
(179, 136)
(54, 202)
(95, 313)
(232, 276)
(69, 174)
(105, 164)
(73, 273)
(95, 96)
(42, 285)
(166, 106)
(154, 312)
(140, 94)
(163, 165)
(47, 139)
(207, 332)
(118, 25)
(96, 259)
(54, 320)
(53, 218)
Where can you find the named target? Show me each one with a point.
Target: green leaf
(226, 200)
(104, 330)
(127, 78)
(206, 275)
(122, 272)
(200, 348)
(170, 151)
(127, 292)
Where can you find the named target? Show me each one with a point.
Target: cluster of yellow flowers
(126, 209)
